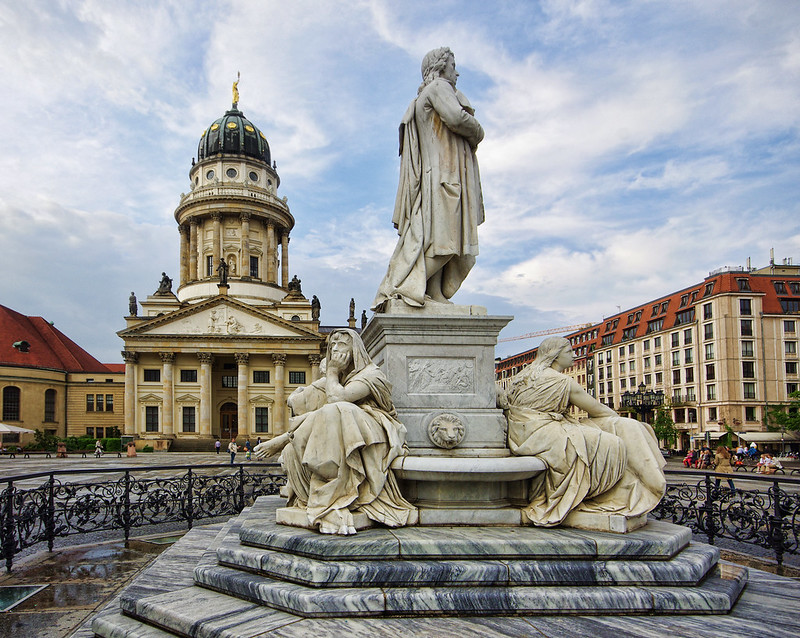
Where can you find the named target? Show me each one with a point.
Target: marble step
(687, 568)
(716, 594)
(658, 540)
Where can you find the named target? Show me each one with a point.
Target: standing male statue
(439, 203)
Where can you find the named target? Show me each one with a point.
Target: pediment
(151, 398)
(187, 398)
(219, 317)
(262, 399)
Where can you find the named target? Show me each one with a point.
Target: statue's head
(439, 63)
(551, 349)
(446, 431)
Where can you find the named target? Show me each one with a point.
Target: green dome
(233, 133)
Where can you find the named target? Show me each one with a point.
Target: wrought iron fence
(764, 516)
(124, 501)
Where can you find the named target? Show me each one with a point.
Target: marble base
(617, 523)
(297, 517)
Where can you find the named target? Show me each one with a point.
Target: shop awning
(769, 437)
(711, 435)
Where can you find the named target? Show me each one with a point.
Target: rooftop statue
(604, 463)
(165, 285)
(341, 441)
(222, 269)
(236, 91)
(439, 204)
(133, 308)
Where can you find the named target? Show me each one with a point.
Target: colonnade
(191, 263)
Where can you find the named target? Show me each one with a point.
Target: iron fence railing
(764, 516)
(129, 498)
(132, 498)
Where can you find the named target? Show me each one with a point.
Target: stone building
(49, 383)
(724, 351)
(218, 356)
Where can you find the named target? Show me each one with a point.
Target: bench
(26, 454)
(85, 453)
(9, 453)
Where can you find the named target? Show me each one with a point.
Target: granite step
(687, 568)
(715, 594)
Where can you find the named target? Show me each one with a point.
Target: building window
(230, 381)
(747, 327)
(602, 388)
(610, 387)
(676, 358)
(684, 301)
(750, 413)
(687, 316)
(648, 379)
(659, 378)
(791, 367)
(260, 376)
(254, 267)
(712, 414)
(622, 351)
(790, 388)
(189, 416)
(707, 314)
(655, 325)
(621, 367)
(749, 390)
(788, 326)
(657, 342)
(690, 395)
(297, 378)
(709, 289)
(708, 331)
(647, 362)
(210, 266)
(794, 286)
(664, 305)
(188, 376)
(631, 348)
(608, 340)
(780, 287)
(748, 369)
(687, 337)
(632, 365)
(654, 311)
(790, 347)
(658, 360)
(790, 306)
(688, 355)
(153, 376)
(11, 403)
(109, 403)
(49, 406)
(744, 284)
(601, 374)
(98, 403)
(646, 344)
(608, 356)
(676, 377)
(711, 392)
(711, 372)
(632, 382)
(689, 375)
(675, 339)
(90, 403)
(623, 383)
(709, 351)
(151, 418)
(629, 333)
(747, 348)
(745, 307)
(262, 420)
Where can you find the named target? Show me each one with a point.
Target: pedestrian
(247, 449)
(217, 445)
(98, 449)
(233, 449)
(722, 459)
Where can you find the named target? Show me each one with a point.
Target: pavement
(80, 580)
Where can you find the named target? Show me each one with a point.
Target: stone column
(183, 230)
(280, 392)
(130, 359)
(193, 249)
(205, 392)
(314, 359)
(271, 253)
(285, 259)
(242, 359)
(244, 270)
(216, 248)
(167, 421)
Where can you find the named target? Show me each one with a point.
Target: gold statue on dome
(236, 91)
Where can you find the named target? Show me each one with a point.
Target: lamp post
(642, 400)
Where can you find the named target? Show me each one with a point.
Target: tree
(664, 427)
(787, 415)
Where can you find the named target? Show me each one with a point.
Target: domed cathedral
(217, 357)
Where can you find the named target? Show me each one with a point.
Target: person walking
(217, 445)
(247, 448)
(722, 459)
(233, 449)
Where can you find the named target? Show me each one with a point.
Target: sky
(630, 147)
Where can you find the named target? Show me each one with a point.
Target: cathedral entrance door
(229, 421)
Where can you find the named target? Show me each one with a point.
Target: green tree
(787, 415)
(664, 427)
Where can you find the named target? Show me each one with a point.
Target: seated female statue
(341, 441)
(603, 463)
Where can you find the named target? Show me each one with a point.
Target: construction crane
(549, 331)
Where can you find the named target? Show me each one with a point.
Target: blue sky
(631, 147)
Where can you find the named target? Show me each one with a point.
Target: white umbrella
(9, 429)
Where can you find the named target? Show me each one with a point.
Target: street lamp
(642, 400)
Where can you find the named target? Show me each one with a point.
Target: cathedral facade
(218, 356)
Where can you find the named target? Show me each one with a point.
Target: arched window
(11, 403)
(49, 406)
